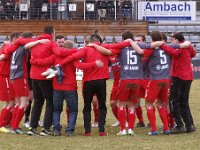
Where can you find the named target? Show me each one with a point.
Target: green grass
(140, 141)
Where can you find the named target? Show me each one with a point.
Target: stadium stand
(80, 39)
(190, 29)
(2, 38)
(108, 39)
(197, 47)
(70, 37)
(148, 38)
(194, 38)
(74, 27)
(181, 29)
(118, 38)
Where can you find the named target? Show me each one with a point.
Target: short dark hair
(27, 34)
(59, 36)
(164, 37)
(96, 38)
(142, 36)
(14, 35)
(179, 37)
(156, 36)
(48, 29)
(127, 35)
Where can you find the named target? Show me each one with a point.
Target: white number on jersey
(13, 58)
(163, 58)
(131, 58)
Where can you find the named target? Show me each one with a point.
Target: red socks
(115, 112)
(152, 117)
(131, 118)
(2, 117)
(96, 113)
(170, 120)
(139, 114)
(67, 115)
(9, 116)
(18, 117)
(163, 115)
(14, 115)
(122, 118)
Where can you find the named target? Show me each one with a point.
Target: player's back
(131, 64)
(91, 55)
(159, 65)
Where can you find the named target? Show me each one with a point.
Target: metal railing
(70, 9)
(74, 9)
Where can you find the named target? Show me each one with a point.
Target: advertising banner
(167, 11)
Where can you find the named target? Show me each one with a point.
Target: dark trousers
(179, 102)
(90, 88)
(27, 112)
(42, 90)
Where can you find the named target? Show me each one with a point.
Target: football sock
(170, 120)
(14, 115)
(131, 118)
(67, 115)
(8, 116)
(96, 113)
(18, 118)
(122, 117)
(115, 112)
(2, 121)
(139, 114)
(152, 117)
(163, 115)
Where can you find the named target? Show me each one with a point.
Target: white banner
(72, 7)
(23, 7)
(90, 7)
(173, 10)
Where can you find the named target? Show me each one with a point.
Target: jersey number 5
(163, 58)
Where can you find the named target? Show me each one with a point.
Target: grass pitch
(141, 141)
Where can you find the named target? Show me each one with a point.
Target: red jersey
(115, 64)
(4, 64)
(181, 66)
(53, 1)
(17, 43)
(69, 81)
(42, 51)
(90, 54)
(19, 58)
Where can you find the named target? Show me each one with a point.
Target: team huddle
(45, 70)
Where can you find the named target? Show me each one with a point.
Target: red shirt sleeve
(115, 51)
(23, 41)
(44, 61)
(18, 42)
(119, 45)
(78, 55)
(11, 49)
(62, 52)
(171, 51)
(192, 51)
(84, 66)
(3, 49)
(147, 53)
